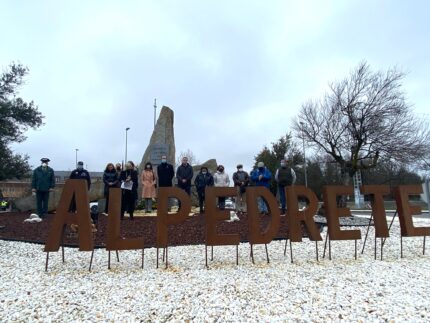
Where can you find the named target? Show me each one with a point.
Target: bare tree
(363, 118)
(192, 160)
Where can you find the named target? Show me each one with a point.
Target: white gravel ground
(343, 289)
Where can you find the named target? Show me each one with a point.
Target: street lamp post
(126, 131)
(304, 156)
(76, 157)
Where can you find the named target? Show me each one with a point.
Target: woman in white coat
(221, 179)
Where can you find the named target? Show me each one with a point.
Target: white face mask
(240, 169)
(44, 164)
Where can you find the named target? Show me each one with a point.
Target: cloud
(235, 73)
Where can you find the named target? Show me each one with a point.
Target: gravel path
(342, 289)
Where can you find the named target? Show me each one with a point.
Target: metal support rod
(62, 244)
(389, 228)
(285, 248)
(325, 244)
(117, 255)
(206, 256)
(109, 259)
(91, 261)
(374, 253)
(291, 251)
(355, 256)
(329, 248)
(167, 261)
(401, 246)
(252, 255)
(143, 256)
(157, 259)
(367, 233)
(267, 253)
(46, 263)
(382, 248)
(316, 250)
(164, 254)
(212, 253)
(237, 255)
(424, 245)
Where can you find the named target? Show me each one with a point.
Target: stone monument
(162, 141)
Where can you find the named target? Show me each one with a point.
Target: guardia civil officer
(42, 183)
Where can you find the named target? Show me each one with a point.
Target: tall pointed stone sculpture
(162, 140)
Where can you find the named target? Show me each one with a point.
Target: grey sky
(234, 72)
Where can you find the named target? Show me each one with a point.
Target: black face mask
(261, 168)
(118, 168)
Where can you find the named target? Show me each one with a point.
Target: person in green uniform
(43, 182)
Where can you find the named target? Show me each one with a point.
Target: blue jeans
(281, 190)
(262, 207)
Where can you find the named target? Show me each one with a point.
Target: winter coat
(239, 177)
(148, 183)
(203, 180)
(221, 179)
(165, 174)
(43, 179)
(265, 181)
(285, 176)
(133, 174)
(184, 172)
(110, 177)
(81, 174)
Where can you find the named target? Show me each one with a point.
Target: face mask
(283, 165)
(204, 172)
(261, 168)
(80, 167)
(240, 169)
(148, 167)
(44, 164)
(221, 170)
(163, 161)
(118, 168)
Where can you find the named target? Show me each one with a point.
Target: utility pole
(304, 156)
(126, 131)
(155, 110)
(76, 157)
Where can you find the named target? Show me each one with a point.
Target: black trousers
(42, 199)
(107, 201)
(128, 203)
(201, 200)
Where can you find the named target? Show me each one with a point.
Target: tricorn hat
(45, 160)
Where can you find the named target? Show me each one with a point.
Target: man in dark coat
(165, 173)
(241, 181)
(79, 173)
(43, 182)
(203, 179)
(184, 174)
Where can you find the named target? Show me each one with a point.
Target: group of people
(259, 176)
(128, 180)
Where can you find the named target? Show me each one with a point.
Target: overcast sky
(234, 72)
